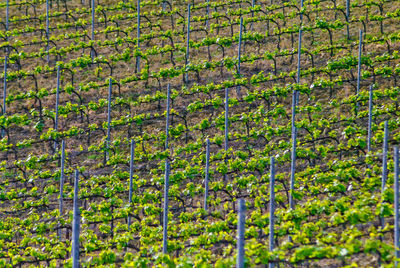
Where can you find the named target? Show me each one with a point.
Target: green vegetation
(339, 203)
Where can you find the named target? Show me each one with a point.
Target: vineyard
(209, 133)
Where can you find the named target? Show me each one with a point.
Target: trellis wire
(75, 225)
(272, 208)
(384, 162)
(92, 37)
(131, 177)
(61, 200)
(359, 68)
(348, 18)
(165, 214)
(396, 204)
(207, 174)
(295, 100)
(187, 43)
(369, 118)
(240, 233)
(108, 118)
(57, 102)
(167, 115)
(239, 54)
(138, 36)
(47, 30)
